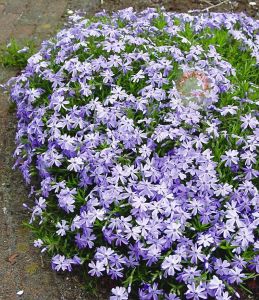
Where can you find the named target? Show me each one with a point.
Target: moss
(32, 268)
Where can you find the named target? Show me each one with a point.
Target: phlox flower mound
(142, 132)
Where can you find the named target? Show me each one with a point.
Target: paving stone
(17, 6)
(46, 28)
(23, 31)
(7, 21)
(34, 12)
(56, 9)
(37, 8)
(2, 8)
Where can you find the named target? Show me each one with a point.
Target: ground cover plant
(16, 54)
(143, 130)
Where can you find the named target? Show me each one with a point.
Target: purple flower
(230, 157)
(66, 199)
(75, 164)
(255, 263)
(150, 292)
(216, 287)
(188, 274)
(196, 293)
(173, 231)
(235, 275)
(38, 243)
(249, 121)
(205, 240)
(171, 264)
(119, 293)
(96, 268)
(222, 267)
(171, 297)
(60, 262)
(62, 228)
(145, 157)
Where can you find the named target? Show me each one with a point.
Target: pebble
(20, 293)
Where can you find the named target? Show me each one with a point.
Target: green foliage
(16, 54)
(245, 85)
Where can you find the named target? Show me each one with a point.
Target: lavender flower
(119, 293)
(142, 129)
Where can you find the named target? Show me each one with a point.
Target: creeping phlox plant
(143, 130)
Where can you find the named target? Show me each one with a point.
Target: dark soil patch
(170, 5)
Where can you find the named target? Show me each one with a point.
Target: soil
(23, 268)
(170, 5)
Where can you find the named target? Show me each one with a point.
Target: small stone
(19, 293)
(12, 258)
(70, 12)
(252, 3)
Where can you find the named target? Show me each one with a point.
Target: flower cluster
(143, 129)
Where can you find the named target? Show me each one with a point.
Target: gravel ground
(22, 268)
